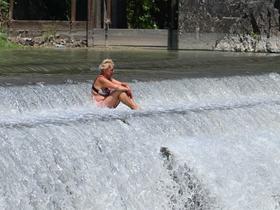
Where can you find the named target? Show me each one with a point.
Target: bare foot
(136, 107)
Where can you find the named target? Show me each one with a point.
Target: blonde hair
(105, 64)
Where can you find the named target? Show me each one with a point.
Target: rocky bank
(244, 25)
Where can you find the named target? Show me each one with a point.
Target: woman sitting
(108, 92)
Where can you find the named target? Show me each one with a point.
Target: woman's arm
(128, 92)
(116, 82)
(111, 84)
(120, 83)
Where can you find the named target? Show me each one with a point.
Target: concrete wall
(127, 37)
(37, 27)
(137, 37)
(77, 31)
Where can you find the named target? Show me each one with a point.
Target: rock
(25, 41)
(261, 45)
(249, 25)
(273, 44)
(38, 40)
(59, 46)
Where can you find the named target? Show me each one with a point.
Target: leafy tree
(147, 13)
(140, 13)
(4, 11)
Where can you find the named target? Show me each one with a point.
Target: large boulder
(243, 25)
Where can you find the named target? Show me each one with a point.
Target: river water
(207, 136)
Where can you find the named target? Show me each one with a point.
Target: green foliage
(4, 15)
(149, 14)
(4, 10)
(5, 43)
(254, 35)
(140, 13)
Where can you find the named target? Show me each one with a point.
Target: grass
(5, 43)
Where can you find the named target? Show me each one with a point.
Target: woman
(108, 92)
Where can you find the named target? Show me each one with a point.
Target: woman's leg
(124, 98)
(113, 100)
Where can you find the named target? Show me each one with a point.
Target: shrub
(4, 42)
(4, 11)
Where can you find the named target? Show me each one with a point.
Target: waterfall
(197, 143)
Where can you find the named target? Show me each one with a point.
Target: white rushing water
(200, 143)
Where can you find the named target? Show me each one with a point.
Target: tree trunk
(73, 10)
(11, 10)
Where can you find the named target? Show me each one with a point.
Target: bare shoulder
(103, 81)
(100, 78)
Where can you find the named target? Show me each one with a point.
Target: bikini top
(102, 91)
